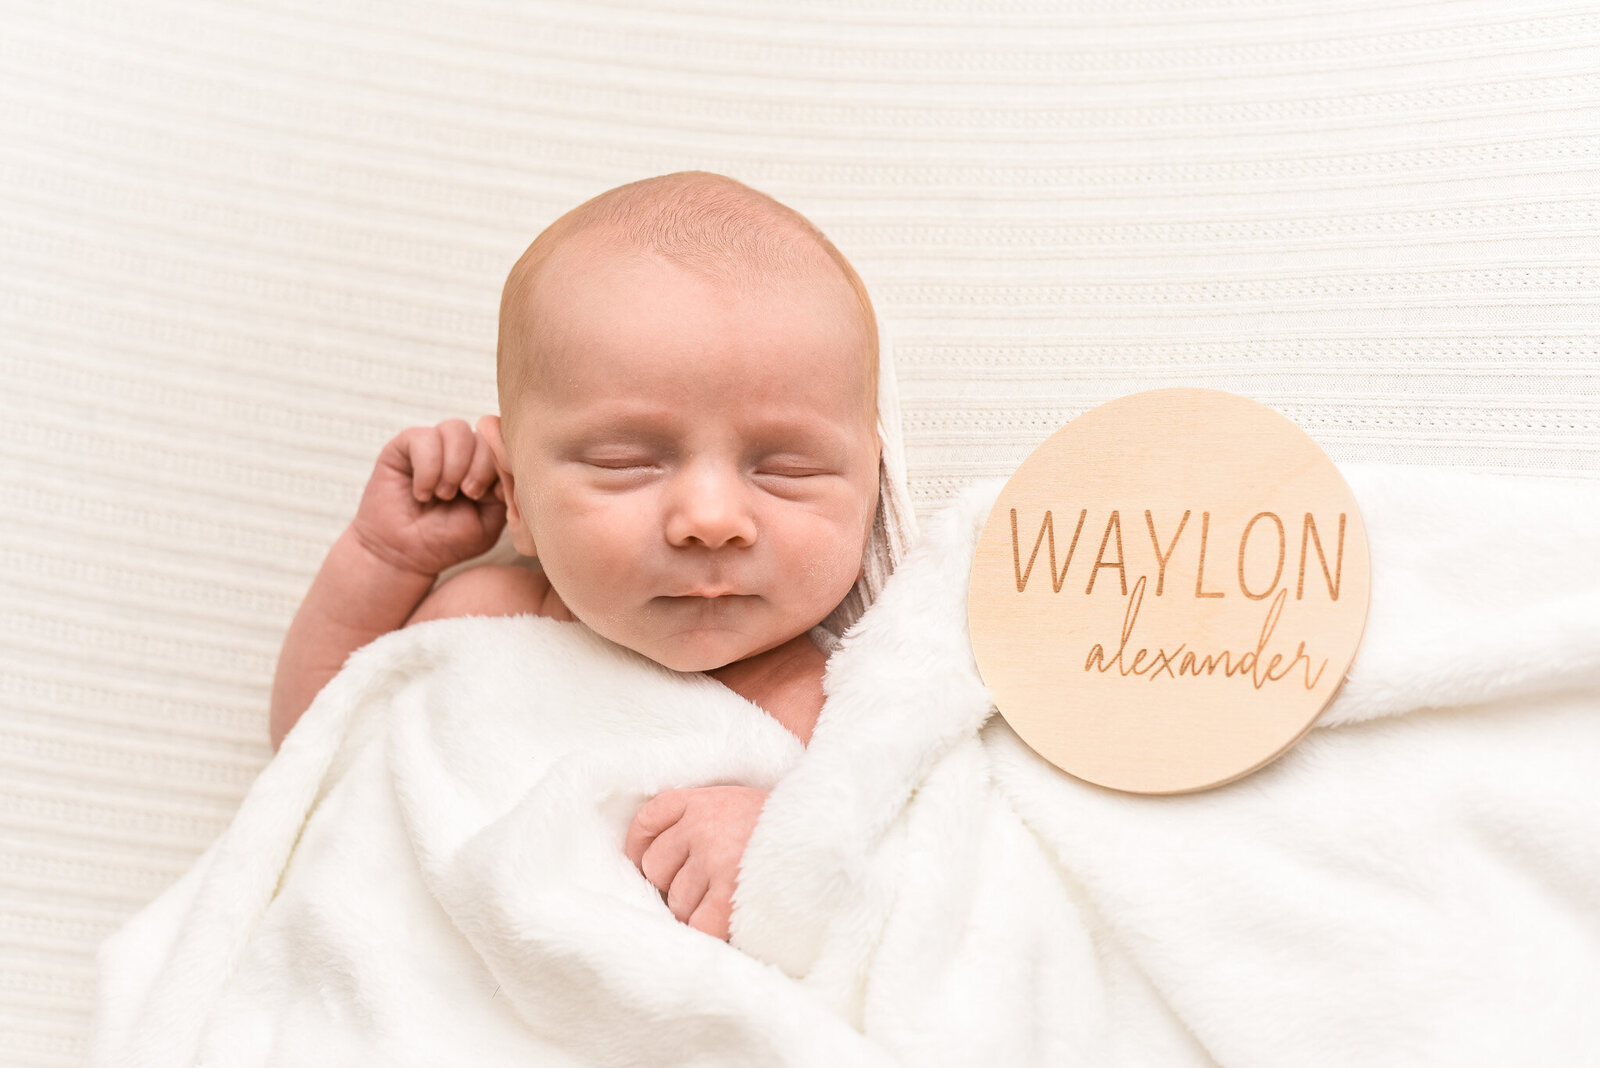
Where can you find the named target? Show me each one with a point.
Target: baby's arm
(433, 500)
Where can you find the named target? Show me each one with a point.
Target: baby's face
(696, 468)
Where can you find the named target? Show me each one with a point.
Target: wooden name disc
(1169, 591)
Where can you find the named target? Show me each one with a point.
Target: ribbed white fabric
(241, 244)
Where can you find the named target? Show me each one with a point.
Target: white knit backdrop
(243, 243)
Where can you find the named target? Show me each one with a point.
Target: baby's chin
(708, 643)
(686, 653)
(704, 652)
(706, 657)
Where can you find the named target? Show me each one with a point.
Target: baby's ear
(488, 429)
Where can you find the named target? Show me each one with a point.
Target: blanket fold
(431, 870)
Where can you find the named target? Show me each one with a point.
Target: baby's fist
(688, 844)
(434, 499)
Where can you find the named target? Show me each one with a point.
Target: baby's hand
(434, 499)
(688, 844)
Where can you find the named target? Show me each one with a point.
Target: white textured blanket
(431, 871)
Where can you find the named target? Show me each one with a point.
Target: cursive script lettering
(1251, 663)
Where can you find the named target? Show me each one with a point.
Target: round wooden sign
(1169, 591)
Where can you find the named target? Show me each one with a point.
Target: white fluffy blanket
(431, 871)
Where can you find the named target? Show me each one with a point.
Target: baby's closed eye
(793, 468)
(620, 467)
(620, 463)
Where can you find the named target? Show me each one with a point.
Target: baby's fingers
(653, 817)
(663, 864)
(712, 915)
(424, 452)
(481, 476)
(458, 443)
(666, 859)
(688, 890)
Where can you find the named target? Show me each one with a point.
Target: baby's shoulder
(492, 590)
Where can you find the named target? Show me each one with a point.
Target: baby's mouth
(705, 595)
(715, 601)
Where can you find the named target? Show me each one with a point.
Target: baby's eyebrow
(601, 421)
(803, 435)
(665, 426)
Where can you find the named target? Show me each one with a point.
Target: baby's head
(688, 433)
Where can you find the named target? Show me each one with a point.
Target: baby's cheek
(831, 572)
(587, 581)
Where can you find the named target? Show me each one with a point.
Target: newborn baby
(687, 444)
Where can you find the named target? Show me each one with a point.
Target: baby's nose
(712, 508)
